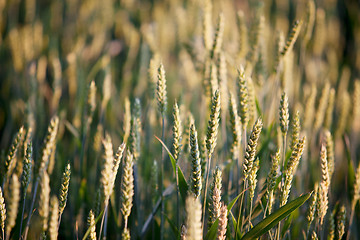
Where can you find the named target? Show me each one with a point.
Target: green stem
(162, 180)
(22, 214)
(206, 187)
(31, 209)
(103, 218)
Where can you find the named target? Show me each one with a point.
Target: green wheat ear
(196, 184)
(12, 152)
(251, 148)
(213, 126)
(291, 169)
(27, 167)
(271, 179)
(64, 189)
(177, 132)
(127, 186)
(284, 113)
(161, 90)
(294, 33)
(243, 98)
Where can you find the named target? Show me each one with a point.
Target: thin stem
(206, 187)
(351, 220)
(103, 218)
(282, 178)
(240, 208)
(162, 179)
(31, 209)
(22, 214)
(177, 197)
(251, 206)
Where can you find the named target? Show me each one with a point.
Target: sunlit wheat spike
(44, 201)
(177, 132)
(12, 204)
(340, 222)
(312, 207)
(310, 20)
(49, 144)
(271, 179)
(251, 148)
(125, 234)
(243, 98)
(329, 109)
(117, 160)
(217, 183)
(314, 236)
(196, 182)
(91, 101)
(91, 225)
(214, 206)
(223, 220)
(323, 202)
(235, 127)
(325, 178)
(161, 90)
(284, 113)
(243, 35)
(64, 189)
(213, 126)
(106, 172)
(127, 187)
(356, 196)
(252, 179)
(321, 110)
(295, 130)
(53, 222)
(2, 211)
(193, 218)
(127, 120)
(218, 36)
(207, 26)
(294, 33)
(27, 167)
(12, 151)
(291, 169)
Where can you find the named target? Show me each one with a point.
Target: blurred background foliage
(50, 51)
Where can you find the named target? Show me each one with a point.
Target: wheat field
(173, 119)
